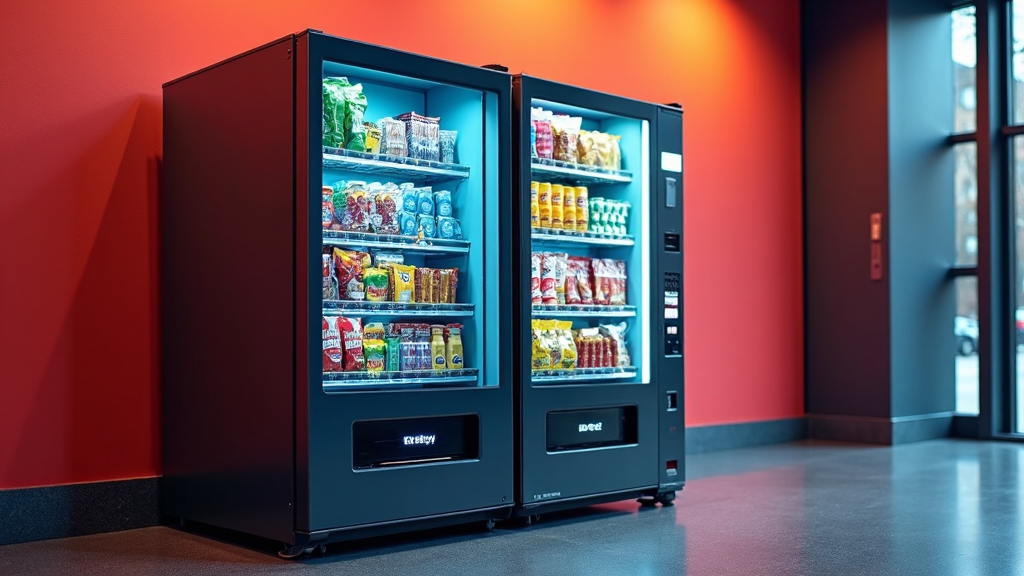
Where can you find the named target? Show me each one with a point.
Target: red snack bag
(352, 344)
(572, 293)
(332, 344)
(548, 280)
(617, 273)
(602, 282)
(349, 272)
(535, 267)
(583, 283)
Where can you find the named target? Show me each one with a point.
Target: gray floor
(933, 508)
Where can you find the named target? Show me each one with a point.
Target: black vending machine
(336, 251)
(599, 399)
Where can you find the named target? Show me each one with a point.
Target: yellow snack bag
(557, 207)
(567, 344)
(403, 282)
(541, 352)
(544, 205)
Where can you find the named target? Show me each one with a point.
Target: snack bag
(618, 285)
(428, 225)
(392, 137)
(534, 205)
(616, 153)
(422, 136)
(561, 268)
(408, 198)
(425, 201)
(583, 279)
(330, 287)
(373, 137)
(535, 268)
(533, 140)
(373, 331)
(544, 205)
(541, 349)
(617, 334)
(403, 283)
(424, 359)
(540, 121)
(448, 228)
(568, 346)
(331, 336)
(447, 142)
(375, 282)
(566, 131)
(569, 208)
(550, 332)
(355, 104)
(384, 214)
(557, 206)
(334, 112)
(352, 344)
(572, 292)
(354, 215)
(425, 286)
(327, 207)
(548, 279)
(349, 267)
(448, 281)
(408, 223)
(603, 278)
(394, 345)
(375, 353)
(386, 259)
(443, 203)
(582, 208)
(586, 148)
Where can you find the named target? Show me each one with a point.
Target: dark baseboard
(884, 431)
(29, 514)
(701, 439)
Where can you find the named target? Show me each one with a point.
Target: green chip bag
(355, 106)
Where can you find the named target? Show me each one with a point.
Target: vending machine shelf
(396, 309)
(582, 311)
(582, 375)
(338, 382)
(552, 237)
(572, 173)
(426, 246)
(396, 167)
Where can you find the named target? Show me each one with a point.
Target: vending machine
(336, 250)
(599, 370)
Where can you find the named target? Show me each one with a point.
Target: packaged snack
(386, 259)
(535, 267)
(408, 223)
(447, 142)
(566, 131)
(557, 206)
(453, 347)
(327, 207)
(617, 334)
(373, 331)
(604, 276)
(448, 228)
(373, 136)
(540, 120)
(569, 208)
(616, 154)
(333, 353)
(421, 134)
(608, 153)
(425, 285)
(438, 360)
(409, 198)
(449, 280)
(392, 137)
(561, 267)
(376, 354)
(428, 225)
(403, 283)
(549, 330)
(544, 204)
(534, 205)
(330, 288)
(549, 273)
(533, 140)
(424, 358)
(349, 267)
(375, 282)
(568, 350)
(352, 344)
(586, 148)
(354, 214)
(355, 104)
(443, 203)
(582, 208)
(384, 215)
(394, 345)
(425, 201)
(572, 292)
(408, 346)
(583, 282)
(618, 285)
(541, 349)
(334, 110)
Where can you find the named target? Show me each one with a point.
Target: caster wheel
(531, 519)
(321, 549)
(647, 502)
(666, 499)
(291, 552)
(488, 525)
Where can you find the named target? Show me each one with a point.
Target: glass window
(1017, 61)
(966, 198)
(965, 327)
(965, 57)
(1018, 293)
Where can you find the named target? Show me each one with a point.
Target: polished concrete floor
(936, 508)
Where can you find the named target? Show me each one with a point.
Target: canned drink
(544, 205)
(534, 205)
(557, 206)
(569, 210)
(582, 209)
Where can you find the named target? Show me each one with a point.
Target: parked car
(966, 330)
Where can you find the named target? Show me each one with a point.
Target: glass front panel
(410, 256)
(1017, 61)
(1018, 320)
(965, 51)
(966, 198)
(965, 326)
(591, 268)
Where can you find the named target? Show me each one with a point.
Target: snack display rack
(575, 173)
(566, 238)
(394, 167)
(613, 373)
(433, 246)
(582, 311)
(338, 382)
(392, 309)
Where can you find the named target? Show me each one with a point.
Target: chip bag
(333, 352)
(403, 282)
(349, 268)
(352, 344)
(541, 348)
(375, 353)
(375, 282)
(563, 328)
(566, 131)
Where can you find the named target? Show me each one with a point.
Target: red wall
(80, 144)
